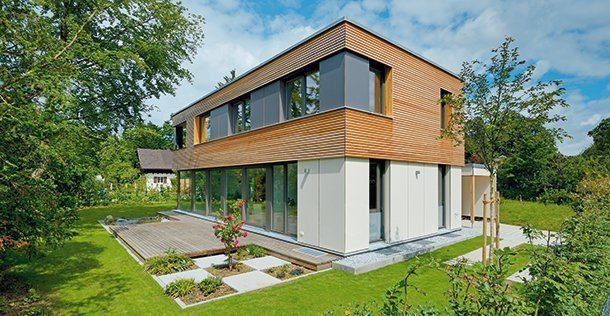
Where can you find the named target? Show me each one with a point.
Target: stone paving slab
(206, 262)
(264, 263)
(197, 274)
(376, 259)
(250, 281)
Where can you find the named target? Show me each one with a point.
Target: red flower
(245, 234)
(235, 243)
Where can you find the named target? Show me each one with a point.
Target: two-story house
(333, 142)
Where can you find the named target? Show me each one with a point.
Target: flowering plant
(230, 229)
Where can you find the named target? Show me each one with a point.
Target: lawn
(93, 274)
(542, 216)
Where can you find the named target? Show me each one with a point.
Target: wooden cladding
(408, 132)
(317, 136)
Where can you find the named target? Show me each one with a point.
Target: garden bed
(198, 296)
(288, 271)
(223, 270)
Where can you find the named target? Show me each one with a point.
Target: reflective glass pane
(257, 197)
(215, 191)
(208, 128)
(239, 117)
(247, 123)
(291, 199)
(312, 104)
(295, 94)
(200, 192)
(277, 218)
(375, 90)
(185, 191)
(234, 187)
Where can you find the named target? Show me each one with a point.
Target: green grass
(93, 274)
(542, 216)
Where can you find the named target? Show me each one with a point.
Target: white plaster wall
(413, 200)
(308, 202)
(481, 186)
(332, 204)
(454, 215)
(356, 204)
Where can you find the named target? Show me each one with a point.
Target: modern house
(334, 143)
(156, 165)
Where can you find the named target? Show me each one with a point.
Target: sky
(565, 40)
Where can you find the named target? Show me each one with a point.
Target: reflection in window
(303, 94)
(185, 191)
(234, 187)
(215, 192)
(375, 90)
(241, 116)
(291, 199)
(277, 218)
(200, 192)
(207, 123)
(256, 207)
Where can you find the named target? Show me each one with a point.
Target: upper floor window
(241, 116)
(303, 94)
(180, 136)
(445, 110)
(376, 86)
(202, 129)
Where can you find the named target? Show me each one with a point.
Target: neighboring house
(334, 142)
(156, 164)
(475, 183)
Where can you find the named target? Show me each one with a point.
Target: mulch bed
(197, 296)
(223, 271)
(288, 271)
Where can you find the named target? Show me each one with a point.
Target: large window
(445, 110)
(234, 185)
(215, 192)
(201, 192)
(241, 116)
(303, 94)
(257, 189)
(291, 199)
(376, 89)
(185, 195)
(279, 201)
(179, 136)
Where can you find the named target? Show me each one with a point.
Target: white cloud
(592, 121)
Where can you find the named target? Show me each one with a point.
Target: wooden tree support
(494, 226)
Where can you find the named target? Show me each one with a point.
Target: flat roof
(333, 24)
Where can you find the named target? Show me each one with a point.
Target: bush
(251, 250)
(169, 263)
(181, 287)
(209, 285)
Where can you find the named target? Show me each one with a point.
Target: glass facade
(234, 186)
(257, 197)
(216, 204)
(303, 94)
(279, 201)
(201, 189)
(185, 186)
(291, 199)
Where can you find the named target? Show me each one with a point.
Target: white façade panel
(356, 204)
(398, 197)
(415, 200)
(332, 204)
(430, 196)
(308, 202)
(455, 201)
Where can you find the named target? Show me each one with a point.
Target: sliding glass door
(257, 196)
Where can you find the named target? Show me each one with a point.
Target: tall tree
(495, 99)
(227, 79)
(72, 71)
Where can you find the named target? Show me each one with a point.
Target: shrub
(180, 287)
(230, 230)
(169, 263)
(256, 251)
(209, 285)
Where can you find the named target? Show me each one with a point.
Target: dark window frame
(301, 75)
(380, 70)
(246, 115)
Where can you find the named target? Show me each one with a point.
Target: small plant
(180, 287)
(230, 230)
(169, 263)
(251, 251)
(209, 285)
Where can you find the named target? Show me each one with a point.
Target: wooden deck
(195, 237)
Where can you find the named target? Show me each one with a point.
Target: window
(159, 179)
(445, 110)
(185, 190)
(241, 116)
(257, 189)
(303, 94)
(201, 192)
(179, 136)
(215, 192)
(202, 129)
(207, 123)
(376, 82)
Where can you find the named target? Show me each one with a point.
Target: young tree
(227, 79)
(72, 71)
(495, 99)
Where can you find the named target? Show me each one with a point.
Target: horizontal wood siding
(319, 136)
(317, 48)
(411, 134)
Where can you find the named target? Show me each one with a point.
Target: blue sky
(566, 40)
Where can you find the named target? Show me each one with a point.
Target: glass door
(256, 208)
(375, 205)
(442, 194)
(279, 206)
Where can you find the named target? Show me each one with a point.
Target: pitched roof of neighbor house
(155, 159)
(307, 39)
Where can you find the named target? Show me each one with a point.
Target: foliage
(496, 99)
(136, 191)
(209, 285)
(170, 262)
(251, 250)
(227, 79)
(180, 287)
(71, 73)
(19, 298)
(571, 275)
(229, 230)
(483, 289)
